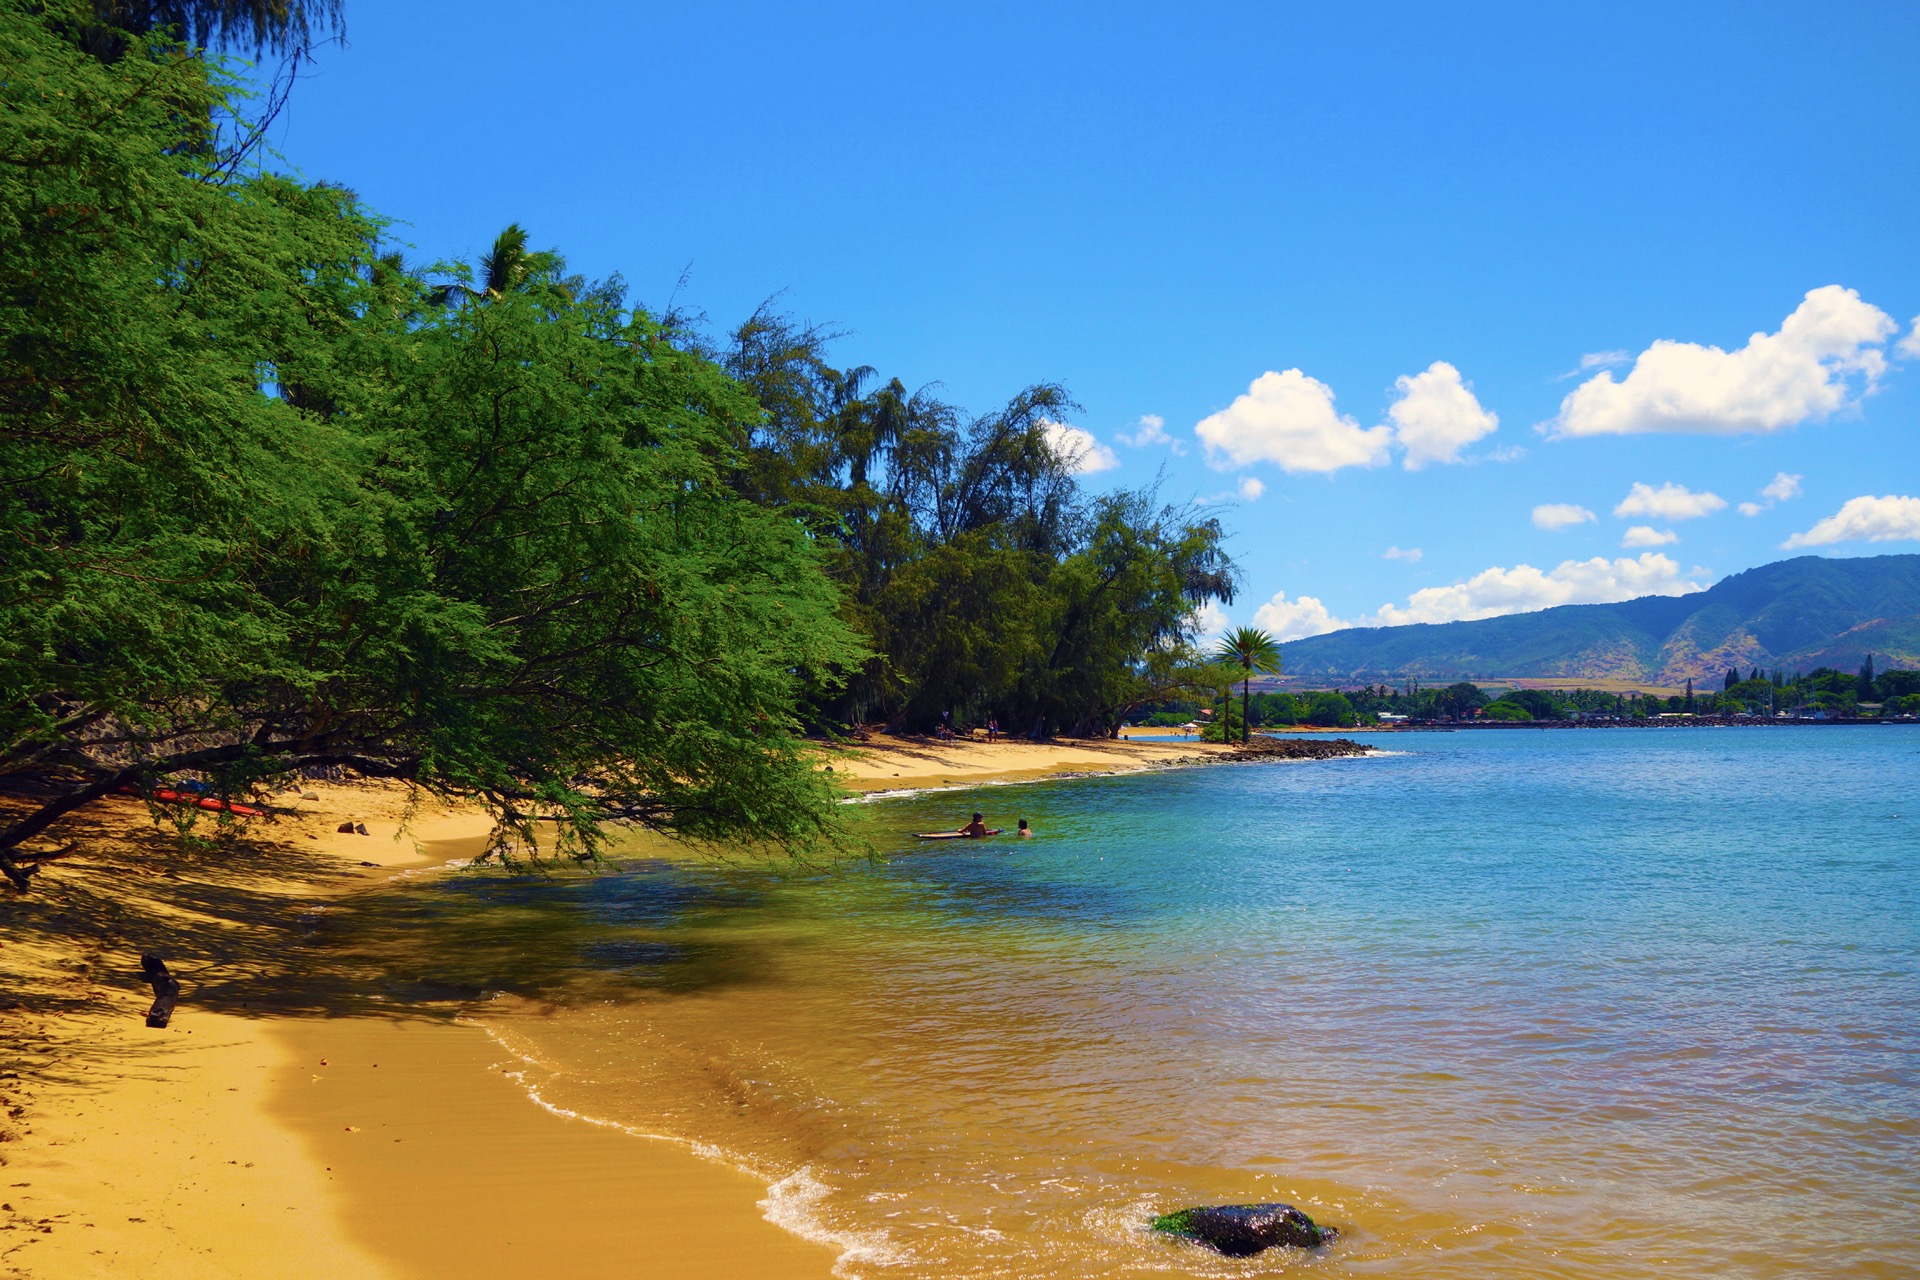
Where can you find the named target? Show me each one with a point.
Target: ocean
(1604, 1003)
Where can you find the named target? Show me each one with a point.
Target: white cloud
(1410, 554)
(1864, 519)
(1910, 345)
(1523, 588)
(1507, 453)
(1437, 416)
(1560, 515)
(1294, 619)
(1288, 418)
(1777, 380)
(1782, 487)
(1643, 535)
(1150, 430)
(1668, 502)
(1208, 620)
(1077, 447)
(1779, 489)
(1596, 360)
(1251, 487)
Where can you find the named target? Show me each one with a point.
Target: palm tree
(506, 267)
(1250, 649)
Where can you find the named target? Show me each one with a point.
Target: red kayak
(954, 835)
(167, 795)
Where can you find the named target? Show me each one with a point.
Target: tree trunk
(1246, 721)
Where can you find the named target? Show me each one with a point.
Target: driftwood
(166, 990)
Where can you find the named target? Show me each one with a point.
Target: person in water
(1026, 832)
(975, 828)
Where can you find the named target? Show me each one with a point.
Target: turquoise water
(1561, 1004)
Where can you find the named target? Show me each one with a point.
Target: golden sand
(255, 1137)
(884, 762)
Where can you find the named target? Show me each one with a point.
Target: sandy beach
(887, 763)
(284, 1125)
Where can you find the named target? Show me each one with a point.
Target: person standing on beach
(993, 728)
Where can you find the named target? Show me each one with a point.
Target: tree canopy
(272, 500)
(265, 506)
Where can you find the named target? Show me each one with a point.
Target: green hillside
(1796, 614)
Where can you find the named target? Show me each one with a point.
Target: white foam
(792, 1201)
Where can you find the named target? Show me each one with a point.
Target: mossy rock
(1239, 1230)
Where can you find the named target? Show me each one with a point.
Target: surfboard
(954, 835)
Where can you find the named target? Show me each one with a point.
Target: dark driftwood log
(166, 990)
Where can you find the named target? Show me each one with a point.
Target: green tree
(1250, 649)
(490, 550)
(1330, 710)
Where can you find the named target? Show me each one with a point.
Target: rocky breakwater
(1294, 749)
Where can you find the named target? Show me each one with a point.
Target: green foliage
(1897, 684)
(1504, 710)
(267, 506)
(989, 584)
(1250, 649)
(1329, 710)
(1275, 708)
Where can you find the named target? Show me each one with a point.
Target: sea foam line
(792, 1200)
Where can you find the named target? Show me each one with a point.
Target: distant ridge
(1797, 614)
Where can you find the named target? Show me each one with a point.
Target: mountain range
(1795, 614)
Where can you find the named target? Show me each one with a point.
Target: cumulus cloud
(1149, 431)
(1523, 588)
(1645, 535)
(1288, 418)
(1437, 416)
(1251, 487)
(1077, 447)
(1668, 502)
(1286, 619)
(1779, 489)
(1910, 345)
(1560, 515)
(1410, 554)
(1805, 371)
(1864, 519)
(1208, 620)
(1782, 487)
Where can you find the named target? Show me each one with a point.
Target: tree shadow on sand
(258, 928)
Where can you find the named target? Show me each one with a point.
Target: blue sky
(1225, 215)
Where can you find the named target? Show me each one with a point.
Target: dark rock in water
(1238, 1230)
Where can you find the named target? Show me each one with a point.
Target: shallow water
(1621, 1003)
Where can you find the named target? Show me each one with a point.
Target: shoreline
(255, 1137)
